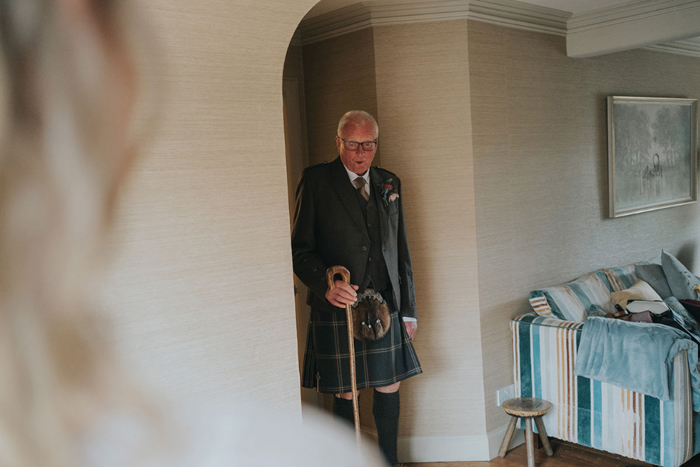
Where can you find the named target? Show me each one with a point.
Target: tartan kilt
(378, 363)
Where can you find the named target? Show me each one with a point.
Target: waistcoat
(376, 274)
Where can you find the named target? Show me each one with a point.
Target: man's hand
(342, 294)
(411, 328)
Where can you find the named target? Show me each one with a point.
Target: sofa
(594, 413)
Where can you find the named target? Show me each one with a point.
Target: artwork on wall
(652, 153)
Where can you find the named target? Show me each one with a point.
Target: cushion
(653, 273)
(617, 279)
(640, 291)
(682, 282)
(573, 301)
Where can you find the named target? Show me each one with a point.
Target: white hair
(358, 118)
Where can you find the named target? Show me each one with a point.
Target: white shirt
(353, 176)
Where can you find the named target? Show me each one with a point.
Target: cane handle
(331, 273)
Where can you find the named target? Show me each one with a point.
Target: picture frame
(652, 153)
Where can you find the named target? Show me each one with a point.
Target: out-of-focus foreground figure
(68, 85)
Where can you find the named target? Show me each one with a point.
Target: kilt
(378, 363)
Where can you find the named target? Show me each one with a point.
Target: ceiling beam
(631, 26)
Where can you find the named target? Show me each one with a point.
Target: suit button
(364, 248)
(369, 224)
(370, 258)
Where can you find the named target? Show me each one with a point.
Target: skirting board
(455, 448)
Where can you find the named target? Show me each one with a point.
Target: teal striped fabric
(619, 278)
(576, 300)
(573, 301)
(596, 414)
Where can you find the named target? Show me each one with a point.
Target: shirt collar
(353, 176)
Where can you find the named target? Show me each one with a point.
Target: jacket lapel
(377, 185)
(346, 192)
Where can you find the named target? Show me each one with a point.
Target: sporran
(371, 316)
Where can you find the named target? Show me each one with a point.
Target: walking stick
(345, 274)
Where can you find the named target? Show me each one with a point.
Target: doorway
(296, 149)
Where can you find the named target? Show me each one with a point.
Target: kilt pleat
(379, 363)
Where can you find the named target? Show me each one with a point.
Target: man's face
(358, 161)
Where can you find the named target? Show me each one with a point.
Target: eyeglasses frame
(360, 144)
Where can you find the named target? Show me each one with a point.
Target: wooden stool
(527, 408)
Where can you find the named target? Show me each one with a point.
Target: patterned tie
(360, 184)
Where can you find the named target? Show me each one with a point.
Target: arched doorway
(323, 78)
(317, 90)
(296, 151)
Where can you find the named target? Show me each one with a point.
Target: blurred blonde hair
(69, 85)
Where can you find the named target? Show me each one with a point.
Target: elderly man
(351, 214)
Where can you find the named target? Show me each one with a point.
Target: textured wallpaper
(201, 288)
(423, 98)
(540, 158)
(339, 76)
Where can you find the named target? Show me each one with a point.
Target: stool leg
(508, 437)
(530, 443)
(543, 436)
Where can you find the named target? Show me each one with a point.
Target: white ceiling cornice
(520, 15)
(632, 25)
(510, 13)
(336, 23)
(631, 11)
(378, 13)
(689, 47)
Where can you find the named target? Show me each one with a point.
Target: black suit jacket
(329, 229)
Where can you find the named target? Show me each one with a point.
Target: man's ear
(338, 142)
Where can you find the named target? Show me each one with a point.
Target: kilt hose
(378, 363)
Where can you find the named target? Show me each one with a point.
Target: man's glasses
(354, 145)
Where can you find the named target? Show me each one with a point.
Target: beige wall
(540, 157)
(339, 76)
(201, 284)
(423, 99)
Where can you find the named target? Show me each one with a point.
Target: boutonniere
(389, 193)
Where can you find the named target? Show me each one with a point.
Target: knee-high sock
(386, 416)
(342, 410)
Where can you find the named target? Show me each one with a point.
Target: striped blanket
(596, 414)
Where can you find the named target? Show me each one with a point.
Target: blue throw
(635, 356)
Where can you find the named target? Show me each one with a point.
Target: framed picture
(652, 153)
